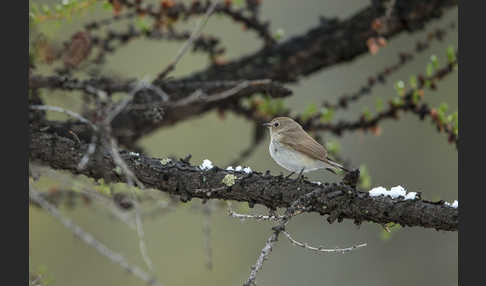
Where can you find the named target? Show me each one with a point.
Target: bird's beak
(267, 124)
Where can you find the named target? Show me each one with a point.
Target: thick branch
(147, 112)
(331, 42)
(338, 201)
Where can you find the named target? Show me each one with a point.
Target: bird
(295, 150)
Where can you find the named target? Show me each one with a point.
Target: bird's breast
(292, 160)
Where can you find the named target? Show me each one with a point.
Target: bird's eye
(276, 124)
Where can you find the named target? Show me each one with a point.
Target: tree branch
(338, 201)
(331, 42)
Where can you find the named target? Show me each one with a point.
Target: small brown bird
(295, 150)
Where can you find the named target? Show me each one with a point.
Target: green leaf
(435, 61)
(333, 147)
(143, 24)
(441, 111)
(443, 107)
(366, 113)
(238, 3)
(393, 227)
(455, 119)
(272, 106)
(364, 177)
(413, 81)
(327, 114)
(34, 8)
(279, 106)
(46, 9)
(279, 34)
(451, 54)
(400, 87)
(310, 111)
(379, 105)
(415, 96)
(107, 6)
(430, 69)
(397, 101)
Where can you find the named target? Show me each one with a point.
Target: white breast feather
(293, 161)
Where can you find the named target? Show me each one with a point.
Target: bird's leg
(300, 175)
(289, 175)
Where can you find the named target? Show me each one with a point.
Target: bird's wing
(303, 142)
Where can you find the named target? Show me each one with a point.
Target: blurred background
(409, 152)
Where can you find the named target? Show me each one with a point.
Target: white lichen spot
(165, 161)
(206, 165)
(410, 196)
(229, 180)
(316, 183)
(397, 191)
(378, 191)
(247, 170)
(455, 204)
(393, 193)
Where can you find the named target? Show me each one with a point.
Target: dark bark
(338, 201)
(329, 43)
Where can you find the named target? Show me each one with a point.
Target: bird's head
(280, 125)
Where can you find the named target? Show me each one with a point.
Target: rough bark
(329, 43)
(338, 201)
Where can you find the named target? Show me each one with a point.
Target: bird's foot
(289, 175)
(301, 177)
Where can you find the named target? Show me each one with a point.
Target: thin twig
(141, 238)
(188, 43)
(90, 240)
(255, 217)
(91, 149)
(65, 111)
(121, 163)
(320, 248)
(263, 256)
(200, 96)
(140, 85)
(138, 221)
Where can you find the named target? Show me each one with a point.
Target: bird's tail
(334, 164)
